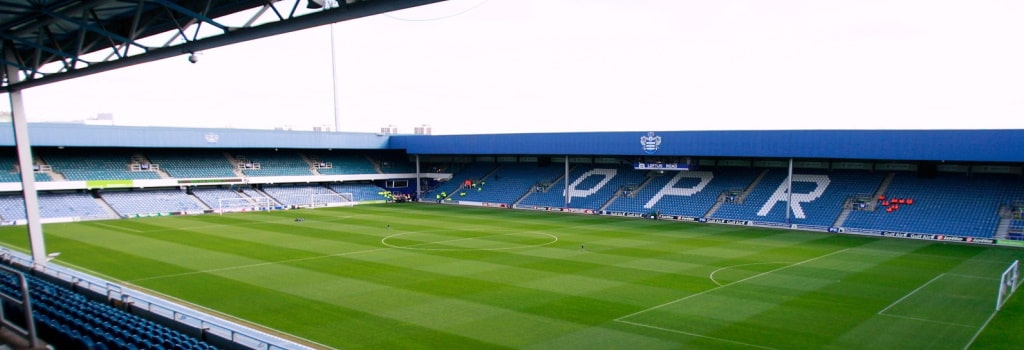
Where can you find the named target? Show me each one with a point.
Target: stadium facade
(894, 183)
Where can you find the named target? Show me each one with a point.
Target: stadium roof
(1001, 146)
(45, 41)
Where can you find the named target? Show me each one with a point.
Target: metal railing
(29, 330)
(204, 324)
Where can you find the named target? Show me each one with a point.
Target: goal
(1008, 283)
(331, 200)
(228, 205)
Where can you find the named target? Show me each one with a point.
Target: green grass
(445, 277)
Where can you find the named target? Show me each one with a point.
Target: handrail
(29, 333)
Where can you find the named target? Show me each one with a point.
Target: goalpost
(1008, 284)
(331, 200)
(242, 204)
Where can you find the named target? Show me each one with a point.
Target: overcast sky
(503, 66)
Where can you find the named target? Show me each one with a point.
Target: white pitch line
(117, 227)
(726, 285)
(980, 329)
(972, 276)
(928, 321)
(712, 274)
(697, 335)
(985, 325)
(882, 312)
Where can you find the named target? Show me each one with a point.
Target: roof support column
(789, 191)
(568, 196)
(418, 181)
(28, 180)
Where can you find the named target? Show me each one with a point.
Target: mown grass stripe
(557, 294)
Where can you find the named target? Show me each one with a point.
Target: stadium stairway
(559, 179)
(309, 162)
(714, 207)
(620, 193)
(1003, 228)
(848, 206)
(106, 207)
(199, 201)
(376, 164)
(847, 209)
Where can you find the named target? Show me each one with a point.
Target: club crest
(650, 142)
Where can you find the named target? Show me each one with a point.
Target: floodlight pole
(28, 180)
(334, 81)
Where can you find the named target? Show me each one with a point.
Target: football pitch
(424, 276)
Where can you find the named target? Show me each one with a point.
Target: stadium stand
(54, 205)
(971, 210)
(212, 196)
(394, 164)
(360, 191)
(508, 183)
(188, 164)
(470, 172)
(16, 177)
(9, 171)
(818, 196)
(13, 175)
(731, 193)
(141, 202)
(591, 186)
(341, 163)
(85, 165)
(272, 163)
(298, 194)
(69, 320)
(1016, 229)
(675, 200)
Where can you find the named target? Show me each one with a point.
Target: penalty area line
(695, 335)
(706, 291)
(882, 312)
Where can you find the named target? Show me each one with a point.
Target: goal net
(228, 205)
(331, 200)
(1008, 283)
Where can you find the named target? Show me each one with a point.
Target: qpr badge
(650, 142)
